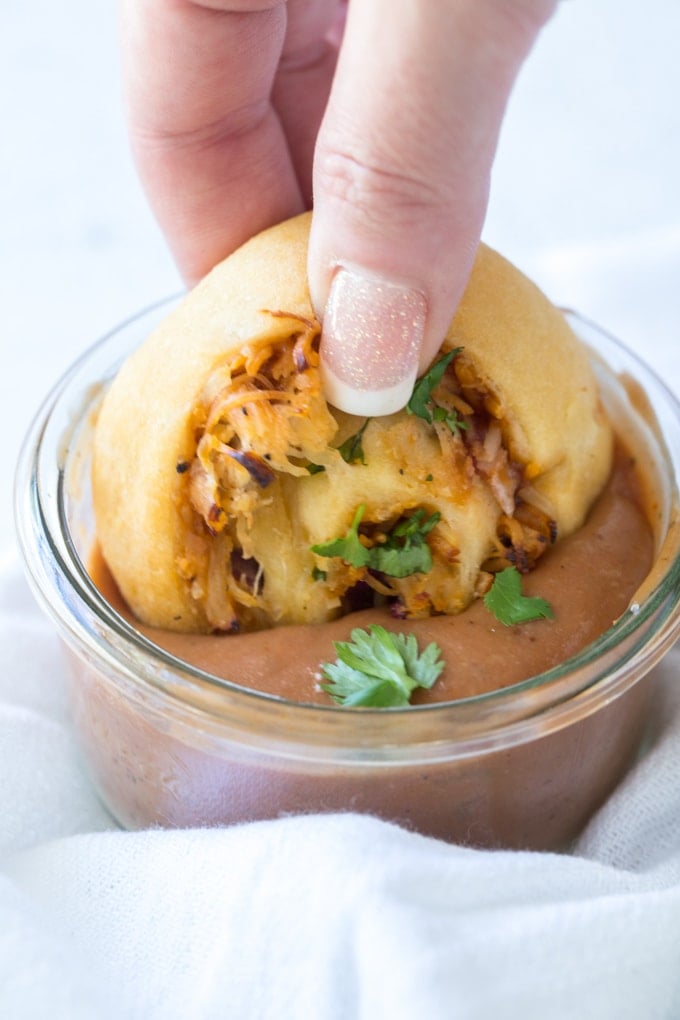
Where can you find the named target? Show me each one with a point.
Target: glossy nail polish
(371, 339)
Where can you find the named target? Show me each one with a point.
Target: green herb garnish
(352, 451)
(422, 391)
(507, 603)
(380, 669)
(449, 417)
(422, 404)
(348, 548)
(404, 552)
(315, 469)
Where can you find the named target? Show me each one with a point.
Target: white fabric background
(337, 917)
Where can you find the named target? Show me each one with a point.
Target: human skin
(242, 111)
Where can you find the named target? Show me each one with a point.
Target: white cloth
(337, 917)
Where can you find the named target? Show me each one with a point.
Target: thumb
(401, 180)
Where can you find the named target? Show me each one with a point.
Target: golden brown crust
(526, 349)
(518, 350)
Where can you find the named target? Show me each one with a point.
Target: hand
(236, 106)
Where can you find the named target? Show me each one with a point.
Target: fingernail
(370, 343)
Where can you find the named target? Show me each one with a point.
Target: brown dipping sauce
(588, 578)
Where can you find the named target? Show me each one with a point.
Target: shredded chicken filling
(264, 416)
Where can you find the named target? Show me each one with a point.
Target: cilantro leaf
(451, 418)
(352, 451)
(401, 561)
(422, 391)
(414, 526)
(404, 552)
(348, 548)
(424, 668)
(507, 603)
(380, 669)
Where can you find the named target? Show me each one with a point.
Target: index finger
(209, 146)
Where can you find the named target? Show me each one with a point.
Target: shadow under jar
(170, 744)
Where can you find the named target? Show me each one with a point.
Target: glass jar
(169, 744)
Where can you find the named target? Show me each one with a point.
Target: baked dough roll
(229, 496)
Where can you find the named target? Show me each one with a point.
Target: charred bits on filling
(306, 343)
(216, 519)
(247, 571)
(255, 465)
